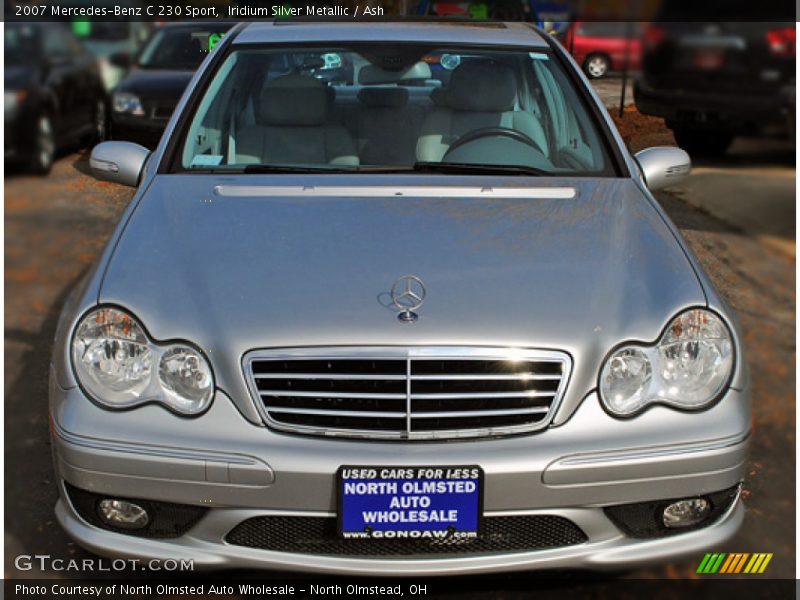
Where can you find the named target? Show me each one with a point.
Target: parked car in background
(714, 81)
(107, 35)
(142, 103)
(53, 94)
(370, 332)
(602, 47)
(105, 39)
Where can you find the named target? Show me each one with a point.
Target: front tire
(700, 142)
(44, 147)
(596, 66)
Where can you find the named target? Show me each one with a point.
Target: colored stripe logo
(736, 562)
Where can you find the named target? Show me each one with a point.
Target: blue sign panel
(410, 502)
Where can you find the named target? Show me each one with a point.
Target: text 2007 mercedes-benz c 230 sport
(396, 319)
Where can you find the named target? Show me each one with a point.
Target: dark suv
(713, 81)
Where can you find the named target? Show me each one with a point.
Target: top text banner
(533, 11)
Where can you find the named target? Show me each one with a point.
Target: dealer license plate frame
(340, 500)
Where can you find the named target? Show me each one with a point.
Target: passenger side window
(569, 144)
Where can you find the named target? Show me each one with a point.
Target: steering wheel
(484, 132)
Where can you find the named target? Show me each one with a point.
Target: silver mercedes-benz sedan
(395, 298)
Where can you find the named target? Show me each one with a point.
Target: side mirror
(119, 162)
(121, 60)
(663, 166)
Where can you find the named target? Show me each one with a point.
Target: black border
(339, 496)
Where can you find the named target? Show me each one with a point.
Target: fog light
(122, 514)
(685, 513)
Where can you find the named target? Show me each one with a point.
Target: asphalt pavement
(609, 88)
(736, 213)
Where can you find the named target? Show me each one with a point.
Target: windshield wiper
(418, 167)
(483, 169)
(295, 169)
(265, 168)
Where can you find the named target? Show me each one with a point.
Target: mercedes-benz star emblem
(408, 294)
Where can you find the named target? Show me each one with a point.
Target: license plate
(410, 502)
(709, 59)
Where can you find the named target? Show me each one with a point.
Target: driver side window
(480, 120)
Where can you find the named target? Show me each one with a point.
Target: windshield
(392, 108)
(180, 48)
(21, 43)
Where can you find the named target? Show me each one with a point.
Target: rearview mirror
(663, 166)
(313, 62)
(119, 162)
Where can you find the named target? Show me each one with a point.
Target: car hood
(235, 268)
(158, 83)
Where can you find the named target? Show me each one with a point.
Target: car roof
(439, 32)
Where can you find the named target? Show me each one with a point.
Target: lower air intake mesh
(318, 536)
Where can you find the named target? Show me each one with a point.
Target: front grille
(161, 112)
(408, 393)
(318, 535)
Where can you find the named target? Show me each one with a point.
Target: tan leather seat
(387, 126)
(292, 129)
(480, 94)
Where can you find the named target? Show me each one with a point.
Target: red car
(602, 47)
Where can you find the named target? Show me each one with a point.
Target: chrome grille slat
(479, 377)
(338, 413)
(331, 376)
(449, 392)
(483, 413)
(468, 396)
(290, 393)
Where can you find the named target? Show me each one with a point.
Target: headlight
(120, 367)
(124, 102)
(687, 368)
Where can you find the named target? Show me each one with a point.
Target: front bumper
(607, 550)
(240, 471)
